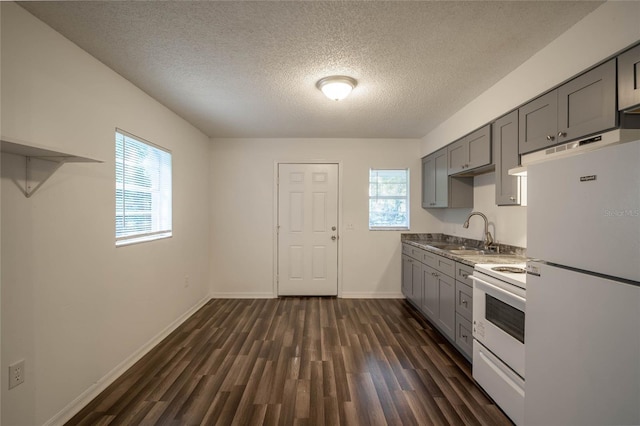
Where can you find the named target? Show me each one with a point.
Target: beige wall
(242, 227)
(73, 306)
(610, 28)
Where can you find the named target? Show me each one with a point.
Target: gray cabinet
(430, 293)
(505, 155)
(580, 107)
(441, 289)
(407, 280)
(412, 279)
(629, 79)
(434, 180)
(416, 283)
(438, 189)
(446, 305)
(587, 104)
(464, 309)
(470, 152)
(538, 121)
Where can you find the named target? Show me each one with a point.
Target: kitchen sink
(466, 251)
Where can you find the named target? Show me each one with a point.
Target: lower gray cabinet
(464, 309)
(446, 305)
(440, 288)
(464, 336)
(407, 280)
(416, 282)
(430, 293)
(412, 279)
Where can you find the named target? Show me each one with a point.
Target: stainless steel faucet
(488, 239)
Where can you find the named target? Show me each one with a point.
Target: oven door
(498, 320)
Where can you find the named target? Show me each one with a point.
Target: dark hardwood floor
(288, 361)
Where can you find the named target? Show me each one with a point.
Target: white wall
(73, 306)
(242, 176)
(612, 27)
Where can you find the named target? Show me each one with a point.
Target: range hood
(576, 147)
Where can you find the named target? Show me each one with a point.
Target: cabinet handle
(465, 276)
(464, 336)
(562, 134)
(550, 137)
(464, 302)
(512, 198)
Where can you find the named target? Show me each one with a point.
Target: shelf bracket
(38, 170)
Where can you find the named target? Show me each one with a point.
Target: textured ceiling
(248, 69)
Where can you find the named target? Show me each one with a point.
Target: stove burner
(510, 269)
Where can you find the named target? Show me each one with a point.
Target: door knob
(333, 237)
(333, 228)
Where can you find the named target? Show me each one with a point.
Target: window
(143, 190)
(388, 199)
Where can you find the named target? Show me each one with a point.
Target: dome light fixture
(336, 87)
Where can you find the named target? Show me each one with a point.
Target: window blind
(388, 199)
(143, 190)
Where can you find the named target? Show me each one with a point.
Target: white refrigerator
(582, 325)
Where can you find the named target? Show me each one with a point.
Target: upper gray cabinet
(438, 189)
(538, 123)
(434, 180)
(470, 152)
(587, 104)
(629, 79)
(505, 155)
(580, 107)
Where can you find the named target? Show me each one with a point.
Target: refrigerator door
(583, 349)
(584, 211)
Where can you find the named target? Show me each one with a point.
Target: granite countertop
(435, 243)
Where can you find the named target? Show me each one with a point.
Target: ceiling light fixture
(336, 87)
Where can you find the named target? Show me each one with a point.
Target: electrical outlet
(16, 374)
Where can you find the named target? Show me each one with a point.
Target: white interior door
(307, 229)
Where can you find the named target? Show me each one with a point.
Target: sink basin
(467, 251)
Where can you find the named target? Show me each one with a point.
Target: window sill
(143, 239)
(390, 228)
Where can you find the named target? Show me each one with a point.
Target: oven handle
(512, 299)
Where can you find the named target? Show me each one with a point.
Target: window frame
(151, 235)
(406, 197)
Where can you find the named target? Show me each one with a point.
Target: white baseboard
(372, 295)
(94, 390)
(252, 295)
(344, 295)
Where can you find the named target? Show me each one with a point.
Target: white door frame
(275, 219)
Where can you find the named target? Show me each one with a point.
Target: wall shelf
(40, 163)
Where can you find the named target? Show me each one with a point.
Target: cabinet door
(428, 182)
(457, 156)
(447, 305)
(479, 148)
(407, 278)
(430, 293)
(470, 152)
(464, 336)
(629, 78)
(416, 282)
(538, 123)
(505, 155)
(441, 183)
(587, 104)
